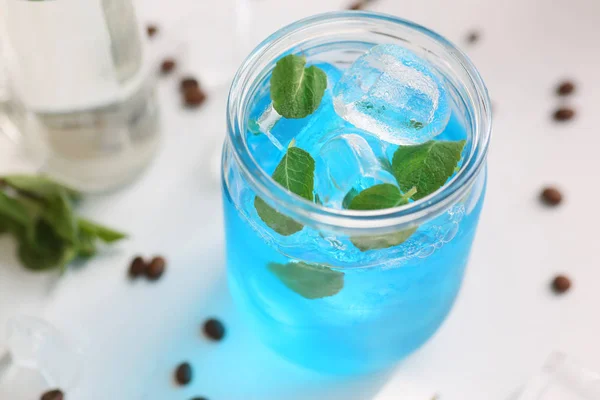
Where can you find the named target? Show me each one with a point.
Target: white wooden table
(505, 323)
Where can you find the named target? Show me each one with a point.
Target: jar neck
(351, 34)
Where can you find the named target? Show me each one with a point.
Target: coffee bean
(551, 196)
(473, 37)
(194, 97)
(189, 83)
(357, 5)
(138, 267)
(565, 88)
(53, 395)
(199, 398)
(156, 268)
(561, 284)
(214, 329)
(167, 66)
(183, 373)
(564, 114)
(151, 30)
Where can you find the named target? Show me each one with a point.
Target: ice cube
(34, 345)
(393, 94)
(348, 163)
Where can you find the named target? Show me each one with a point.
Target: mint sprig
(39, 213)
(311, 281)
(295, 172)
(296, 91)
(427, 166)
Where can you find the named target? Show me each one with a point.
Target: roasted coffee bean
(53, 395)
(214, 329)
(189, 83)
(138, 267)
(151, 30)
(194, 97)
(564, 114)
(156, 268)
(167, 66)
(473, 37)
(357, 5)
(565, 88)
(551, 196)
(183, 373)
(561, 284)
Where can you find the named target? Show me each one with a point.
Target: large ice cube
(392, 93)
(348, 163)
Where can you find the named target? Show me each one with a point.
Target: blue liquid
(383, 312)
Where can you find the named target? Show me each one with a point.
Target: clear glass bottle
(78, 89)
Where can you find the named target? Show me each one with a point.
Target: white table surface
(505, 322)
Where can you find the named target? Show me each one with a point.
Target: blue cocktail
(353, 180)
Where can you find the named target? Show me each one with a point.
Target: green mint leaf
(59, 213)
(426, 166)
(311, 281)
(55, 198)
(280, 223)
(102, 232)
(379, 197)
(296, 91)
(375, 242)
(39, 186)
(349, 197)
(45, 250)
(296, 173)
(86, 245)
(12, 210)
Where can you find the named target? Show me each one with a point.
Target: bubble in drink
(393, 94)
(348, 164)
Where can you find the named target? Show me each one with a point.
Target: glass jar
(380, 304)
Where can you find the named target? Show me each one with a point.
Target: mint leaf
(12, 210)
(54, 200)
(296, 91)
(86, 245)
(311, 281)
(375, 242)
(44, 250)
(40, 186)
(280, 223)
(295, 172)
(379, 197)
(59, 213)
(102, 232)
(426, 166)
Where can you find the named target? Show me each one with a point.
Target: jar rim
(308, 212)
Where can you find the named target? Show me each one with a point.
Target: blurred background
(132, 335)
